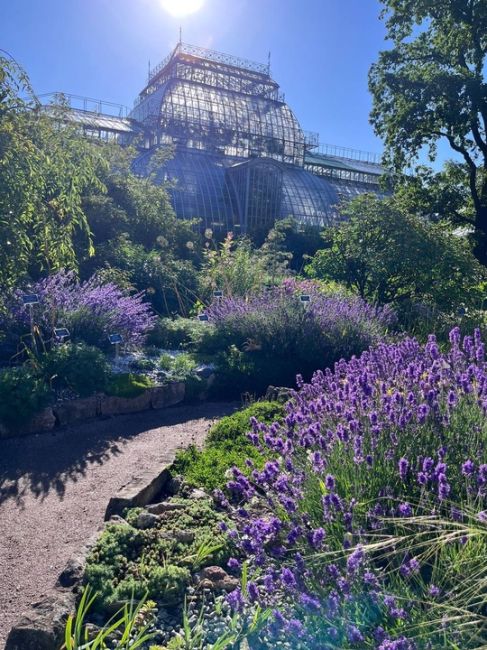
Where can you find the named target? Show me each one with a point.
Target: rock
(198, 493)
(42, 421)
(278, 394)
(204, 371)
(167, 395)
(116, 519)
(164, 506)
(140, 491)
(215, 578)
(42, 627)
(184, 536)
(77, 409)
(110, 405)
(146, 520)
(72, 573)
(175, 484)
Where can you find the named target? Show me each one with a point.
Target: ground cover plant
(133, 560)
(227, 446)
(371, 526)
(273, 335)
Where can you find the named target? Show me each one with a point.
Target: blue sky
(321, 50)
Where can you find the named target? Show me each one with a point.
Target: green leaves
(431, 87)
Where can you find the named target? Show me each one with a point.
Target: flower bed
(371, 530)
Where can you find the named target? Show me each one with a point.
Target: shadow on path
(45, 463)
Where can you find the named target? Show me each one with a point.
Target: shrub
(376, 502)
(274, 336)
(90, 310)
(180, 333)
(22, 394)
(128, 385)
(78, 366)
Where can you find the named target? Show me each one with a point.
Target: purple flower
(233, 563)
(468, 468)
(403, 468)
(330, 482)
(287, 578)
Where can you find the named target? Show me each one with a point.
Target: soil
(54, 489)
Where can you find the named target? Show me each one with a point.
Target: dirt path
(54, 489)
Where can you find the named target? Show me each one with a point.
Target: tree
(45, 168)
(391, 257)
(431, 86)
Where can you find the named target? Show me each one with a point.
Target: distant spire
(269, 63)
(148, 71)
(180, 34)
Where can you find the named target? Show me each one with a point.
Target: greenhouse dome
(241, 159)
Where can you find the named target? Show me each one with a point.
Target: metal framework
(241, 157)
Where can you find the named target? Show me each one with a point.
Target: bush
(127, 562)
(22, 394)
(128, 385)
(181, 333)
(377, 502)
(78, 366)
(90, 310)
(273, 336)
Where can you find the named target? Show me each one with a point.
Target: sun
(180, 8)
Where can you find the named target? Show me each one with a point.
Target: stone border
(87, 408)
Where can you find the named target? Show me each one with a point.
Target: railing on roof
(80, 103)
(350, 154)
(212, 55)
(311, 139)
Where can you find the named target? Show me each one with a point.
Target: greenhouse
(241, 159)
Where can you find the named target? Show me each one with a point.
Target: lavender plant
(276, 335)
(90, 310)
(359, 533)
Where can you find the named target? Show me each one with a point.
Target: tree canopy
(389, 256)
(431, 86)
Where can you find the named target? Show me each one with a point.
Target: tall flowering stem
(399, 432)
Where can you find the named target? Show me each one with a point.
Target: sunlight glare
(180, 8)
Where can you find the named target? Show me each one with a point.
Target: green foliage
(128, 385)
(234, 268)
(430, 86)
(388, 256)
(157, 561)
(45, 169)
(235, 426)
(22, 394)
(142, 365)
(207, 468)
(130, 626)
(227, 446)
(180, 333)
(78, 366)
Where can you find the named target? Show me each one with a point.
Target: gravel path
(54, 489)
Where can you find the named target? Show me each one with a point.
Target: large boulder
(167, 395)
(77, 409)
(42, 627)
(110, 405)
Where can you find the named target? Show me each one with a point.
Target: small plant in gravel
(159, 560)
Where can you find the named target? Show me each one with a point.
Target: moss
(227, 446)
(128, 385)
